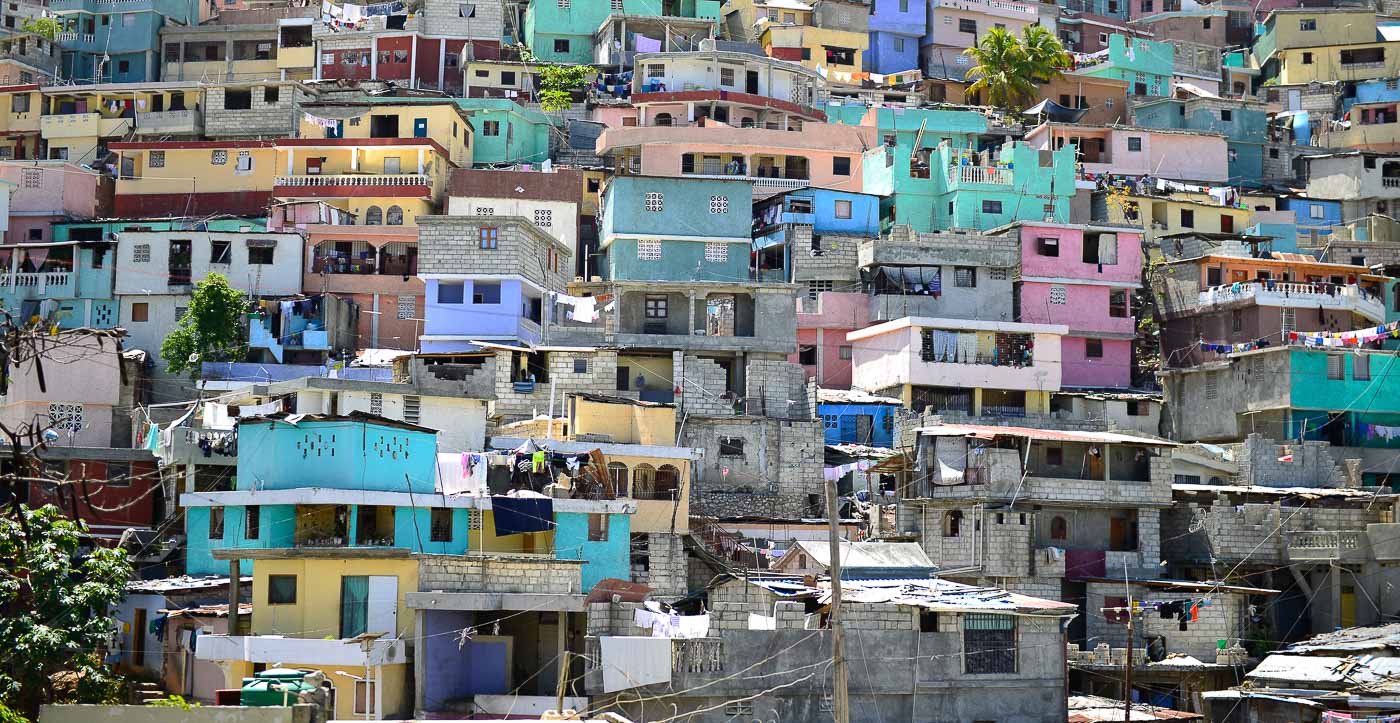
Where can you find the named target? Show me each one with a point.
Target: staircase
(144, 693)
(720, 546)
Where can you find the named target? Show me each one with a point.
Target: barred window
(376, 404)
(719, 204)
(717, 253)
(219, 158)
(157, 159)
(649, 250)
(441, 525)
(989, 644)
(816, 287)
(407, 306)
(141, 254)
(563, 4)
(965, 276)
(1058, 295)
(544, 218)
(654, 201)
(997, 274)
(32, 177)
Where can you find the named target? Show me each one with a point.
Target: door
(751, 82)
(1227, 223)
(1295, 100)
(392, 165)
(864, 427)
(623, 376)
(1117, 533)
(138, 638)
(420, 128)
(383, 614)
(1348, 611)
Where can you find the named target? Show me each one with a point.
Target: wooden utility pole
(1128, 667)
(234, 577)
(839, 703)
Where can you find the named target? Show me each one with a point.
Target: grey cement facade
(993, 257)
(838, 260)
(778, 475)
(1220, 394)
(275, 119)
(450, 245)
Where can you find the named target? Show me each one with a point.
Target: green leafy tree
(46, 27)
(557, 83)
(54, 602)
(1006, 68)
(210, 330)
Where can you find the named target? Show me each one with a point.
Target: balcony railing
(787, 184)
(383, 179)
(365, 267)
(70, 37)
(40, 280)
(1326, 545)
(979, 174)
(1390, 182)
(169, 121)
(1300, 294)
(697, 655)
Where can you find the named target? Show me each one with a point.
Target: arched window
(668, 482)
(952, 523)
(644, 482)
(394, 217)
(374, 216)
(617, 471)
(747, 123)
(662, 119)
(1059, 529)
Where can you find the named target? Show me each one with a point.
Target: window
(617, 6)
(965, 277)
(507, 77)
(657, 307)
(1058, 295)
(32, 177)
(19, 103)
(252, 522)
(364, 697)
(220, 251)
(1054, 456)
(1188, 218)
(649, 250)
(374, 216)
(1334, 367)
(450, 293)
(1361, 368)
(967, 25)
(140, 311)
(1307, 58)
(989, 643)
(844, 353)
(124, 66)
(271, 94)
(597, 527)
(1273, 153)
(1047, 246)
(898, 44)
(486, 292)
(719, 204)
(928, 621)
(843, 209)
(1093, 348)
(406, 307)
(807, 355)
(157, 159)
(1059, 529)
(281, 589)
(261, 255)
(1358, 261)
(904, 6)
(441, 525)
(841, 166)
(1134, 144)
(37, 234)
(1226, 116)
(726, 76)
(731, 446)
(1288, 320)
(490, 128)
(1307, 24)
(1236, 321)
(580, 366)
(216, 523)
(393, 216)
(989, 206)
(218, 158)
(244, 164)
(717, 253)
(487, 237)
(544, 217)
(561, 45)
(238, 99)
(655, 201)
(141, 254)
(952, 523)
(1118, 303)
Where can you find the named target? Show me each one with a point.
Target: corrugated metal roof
(984, 431)
(869, 554)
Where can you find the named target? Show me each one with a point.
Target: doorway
(138, 638)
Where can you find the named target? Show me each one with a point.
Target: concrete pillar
(420, 664)
(189, 478)
(821, 357)
(420, 160)
(374, 56)
(442, 63)
(291, 161)
(413, 63)
(374, 323)
(234, 575)
(562, 645)
(354, 158)
(1335, 573)
(316, 63)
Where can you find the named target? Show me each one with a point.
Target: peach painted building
(1125, 150)
(377, 268)
(1082, 276)
(46, 192)
(822, 326)
(843, 157)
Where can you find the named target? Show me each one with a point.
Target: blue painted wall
(1311, 214)
(865, 212)
(413, 525)
(276, 528)
(688, 218)
(337, 454)
(839, 421)
(1371, 91)
(500, 320)
(891, 19)
(89, 284)
(680, 261)
(604, 559)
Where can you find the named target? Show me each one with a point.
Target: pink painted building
(46, 192)
(1162, 153)
(1083, 276)
(822, 325)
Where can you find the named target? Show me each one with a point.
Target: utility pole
(1128, 663)
(839, 704)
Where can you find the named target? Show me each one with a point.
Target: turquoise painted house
(1146, 65)
(676, 229)
(561, 31)
(1012, 183)
(102, 229)
(105, 42)
(68, 283)
(1243, 123)
(1320, 389)
(367, 482)
(505, 132)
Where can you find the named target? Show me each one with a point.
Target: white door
(383, 615)
(1295, 100)
(391, 165)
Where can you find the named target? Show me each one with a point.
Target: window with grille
(719, 204)
(717, 253)
(656, 307)
(1212, 387)
(650, 250)
(1289, 320)
(1334, 367)
(406, 307)
(1361, 368)
(989, 644)
(816, 287)
(654, 201)
(157, 159)
(218, 158)
(656, 70)
(488, 238)
(1118, 303)
(376, 404)
(564, 4)
(1058, 295)
(441, 525)
(726, 76)
(965, 277)
(141, 254)
(617, 5)
(544, 218)
(32, 177)
(996, 274)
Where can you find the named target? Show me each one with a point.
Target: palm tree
(1008, 67)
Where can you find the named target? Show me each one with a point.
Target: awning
(1054, 112)
(909, 279)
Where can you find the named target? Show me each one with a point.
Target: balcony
(275, 649)
(73, 37)
(182, 122)
(365, 184)
(292, 58)
(1327, 545)
(82, 125)
(979, 175)
(42, 282)
(193, 445)
(1290, 294)
(782, 184)
(1390, 182)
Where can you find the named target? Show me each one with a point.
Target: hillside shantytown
(872, 361)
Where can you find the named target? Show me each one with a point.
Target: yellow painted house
(385, 163)
(1306, 45)
(196, 177)
(20, 109)
(1160, 216)
(79, 121)
(815, 48)
(304, 603)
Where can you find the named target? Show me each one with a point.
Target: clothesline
(1331, 339)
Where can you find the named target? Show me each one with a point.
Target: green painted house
(561, 31)
(1146, 65)
(506, 132)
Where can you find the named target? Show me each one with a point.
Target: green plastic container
(275, 687)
